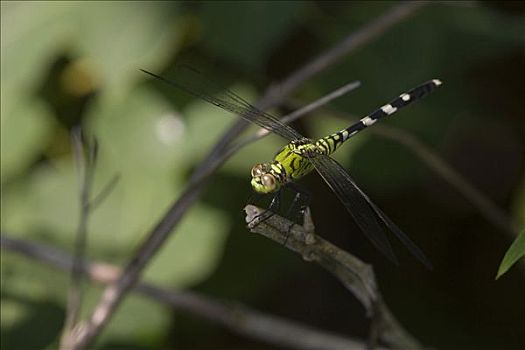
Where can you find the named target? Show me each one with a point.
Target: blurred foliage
(515, 252)
(70, 63)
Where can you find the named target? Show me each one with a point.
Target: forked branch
(357, 276)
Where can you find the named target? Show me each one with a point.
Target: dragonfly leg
(299, 204)
(275, 203)
(274, 207)
(294, 212)
(300, 201)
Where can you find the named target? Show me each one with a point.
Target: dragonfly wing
(355, 200)
(407, 242)
(194, 83)
(358, 206)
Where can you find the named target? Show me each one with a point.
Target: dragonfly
(302, 155)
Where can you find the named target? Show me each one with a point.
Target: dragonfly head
(263, 181)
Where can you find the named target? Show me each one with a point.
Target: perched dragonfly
(302, 155)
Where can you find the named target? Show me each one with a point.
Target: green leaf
(26, 129)
(35, 34)
(516, 251)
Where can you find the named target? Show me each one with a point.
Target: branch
(353, 42)
(85, 158)
(233, 316)
(357, 276)
(115, 292)
(343, 90)
(485, 206)
(85, 155)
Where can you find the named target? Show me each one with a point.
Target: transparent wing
(194, 83)
(364, 211)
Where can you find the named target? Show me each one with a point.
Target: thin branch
(459, 3)
(353, 42)
(105, 192)
(357, 276)
(86, 168)
(115, 292)
(343, 90)
(485, 206)
(233, 316)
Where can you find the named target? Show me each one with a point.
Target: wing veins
(332, 166)
(194, 83)
(350, 195)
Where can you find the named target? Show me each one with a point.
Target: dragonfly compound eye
(268, 181)
(257, 170)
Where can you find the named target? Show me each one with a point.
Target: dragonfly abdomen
(327, 145)
(330, 143)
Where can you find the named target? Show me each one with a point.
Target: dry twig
(357, 276)
(86, 169)
(85, 154)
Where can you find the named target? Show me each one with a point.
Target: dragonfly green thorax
(289, 164)
(292, 162)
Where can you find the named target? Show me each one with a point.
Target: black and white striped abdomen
(403, 100)
(329, 144)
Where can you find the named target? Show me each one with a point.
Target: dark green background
(70, 63)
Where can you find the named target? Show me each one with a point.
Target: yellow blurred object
(78, 79)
